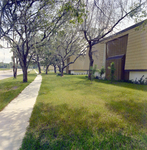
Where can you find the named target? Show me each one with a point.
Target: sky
(5, 54)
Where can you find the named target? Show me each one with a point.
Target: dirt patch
(14, 88)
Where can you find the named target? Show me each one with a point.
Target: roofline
(122, 31)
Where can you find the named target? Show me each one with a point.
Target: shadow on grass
(63, 128)
(125, 85)
(115, 83)
(133, 112)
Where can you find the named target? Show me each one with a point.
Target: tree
(48, 59)
(139, 14)
(68, 43)
(15, 61)
(38, 52)
(34, 17)
(93, 70)
(8, 7)
(102, 18)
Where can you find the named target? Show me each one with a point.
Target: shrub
(112, 71)
(101, 72)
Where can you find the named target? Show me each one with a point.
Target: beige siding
(51, 67)
(82, 63)
(98, 56)
(79, 63)
(136, 56)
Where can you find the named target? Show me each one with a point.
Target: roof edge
(122, 31)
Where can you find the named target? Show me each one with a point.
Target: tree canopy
(24, 20)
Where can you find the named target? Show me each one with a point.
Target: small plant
(101, 72)
(141, 80)
(112, 71)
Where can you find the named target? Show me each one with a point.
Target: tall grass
(71, 113)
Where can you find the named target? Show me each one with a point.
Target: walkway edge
(14, 118)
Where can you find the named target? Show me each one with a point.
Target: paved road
(8, 73)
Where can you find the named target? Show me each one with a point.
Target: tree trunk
(25, 74)
(39, 68)
(15, 64)
(54, 68)
(62, 72)
(47, 69)
(24, 69)
(62, 68)
(15, 69)
(91, 60)
(38, 63)
(59, 66)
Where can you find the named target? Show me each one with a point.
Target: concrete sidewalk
(14, 119)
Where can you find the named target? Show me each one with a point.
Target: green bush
(112, 71)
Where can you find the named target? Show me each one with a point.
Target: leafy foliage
(112, 71)
(101, 71)
(33, 17)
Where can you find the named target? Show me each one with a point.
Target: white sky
(5, 55)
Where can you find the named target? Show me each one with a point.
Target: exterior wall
(136, 57)
(82, 63)
(78, 64)
(51, 68)
(129, 54)
(79, 72)
(116, 52)
(136, 75)
(117, 46)
(136, 52)
(98, 56)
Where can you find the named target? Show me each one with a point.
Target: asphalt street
(8, 73)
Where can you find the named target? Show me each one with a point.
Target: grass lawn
(73, 114)
(10, 88)
(5, 69)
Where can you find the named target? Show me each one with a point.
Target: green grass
(10, 88)
(5, 69)
(73, 114)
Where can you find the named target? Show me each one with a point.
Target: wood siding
(136, 56)
(119, 66)
(82, 63)
(117, 46)
(98, 56)
(79, 63)
(116, 52)
(130, 42)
